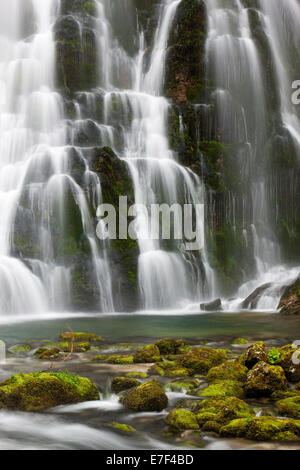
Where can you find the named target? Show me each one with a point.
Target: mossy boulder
(38, 391)
(75, 347)
(147, 354)
(182, 420)
(265, 379)
(221, 388)
(171, 346)
(146, 397)
(169, 369)
(79, 337)
(263, 429)
(214, 413)
(119, 384)
(99, 358)
(255, 353)
(229, 370)
(199, 360)
(289, 361)
(120, 359)
(289, 407)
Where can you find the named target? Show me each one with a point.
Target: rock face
(264, 379)
(39, 391)
(290, 300)
(146, 397)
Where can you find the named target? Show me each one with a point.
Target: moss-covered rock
(255, 353)
(289, 407)
(119, 384)
(146, 397)
(147, 354)
(221, 388)
(80, 337)
(200, 360)
(229, 370)
(179, 386)
(39, 390)
(171, 346)
(265, 379)
(48, 354)
(20, 349)
(240, 341)
(216, 412)
(122, 427)
(169, 369)
(99, 358)
(120, 359)
(182, 420)
(263, 429)
(289, 361)
(137, 375)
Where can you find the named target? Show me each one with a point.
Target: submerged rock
(79, 337)
(211, 306)
(265, 379)
(41, 390)
(122, 427)
(263, 429)
(119, 384)
(146, 397)
(182, 419)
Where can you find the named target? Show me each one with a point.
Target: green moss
(181, 386)
(79, 337)
(255, 353)
(200, 360)
(146, 397)
(240, 341)
(89, 8)
(263, 429)
(122, 427)
(48, 354)
(20, 348)
(221, 388)
(182, 420)
(119, 359)
(229, 370)
(119, 384)
(265, 379)
(221, 411)
(138, 375)
(171, 346)
(147, 354)
(39, 390)
(99, 358)
(274, 355)
(289, 407)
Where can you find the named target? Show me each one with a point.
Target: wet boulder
(229, 370)
(40, 390)
(211, 306)
(182, 420)
(252, 300)
(119, 384)
(265, 379)
(146, 397)
(147, 354)
(289, 407)
(256, 353)
(289, 360)
(199, 360)
(171, 346)
(290, 300)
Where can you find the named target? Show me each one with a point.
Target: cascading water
(235, 66)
